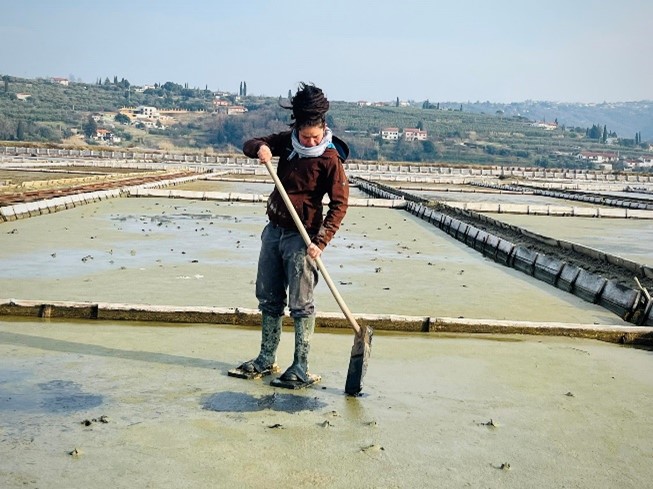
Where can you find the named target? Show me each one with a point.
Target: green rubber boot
(298, 371)
(270, 337)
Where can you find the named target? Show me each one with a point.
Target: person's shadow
(103, 351)
(226, 401)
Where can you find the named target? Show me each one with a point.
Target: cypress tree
(20, 131)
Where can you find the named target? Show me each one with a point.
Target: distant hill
(624, 118)
(55, 111)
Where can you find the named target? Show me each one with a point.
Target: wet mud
(463, 410)
(115, 405)
(200, 253)
(239, 402)
(52, 396)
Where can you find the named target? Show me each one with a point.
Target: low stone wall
(156, 189)
(195, 195)
(56, 204)
(551, 210)
(592, 197)
(242, 197)
(134, 156)
(234, 316)
(367, 169)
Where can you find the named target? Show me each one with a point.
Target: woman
(310, 167)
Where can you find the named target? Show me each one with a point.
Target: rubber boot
(298, 371)
(270, 336)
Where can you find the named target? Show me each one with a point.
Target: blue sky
(464, 50)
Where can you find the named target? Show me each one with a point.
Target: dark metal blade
(360, 354)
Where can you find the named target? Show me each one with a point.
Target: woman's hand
(313, 251)
(264, 154)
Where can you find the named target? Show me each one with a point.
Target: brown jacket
(307, 181)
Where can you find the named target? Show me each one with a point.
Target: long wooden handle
(300, 226)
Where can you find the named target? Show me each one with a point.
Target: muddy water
(452, 409)
(223, 186)
(523, 199)
(446, 408)
(628, 238)
(244, 187)
(180, 252)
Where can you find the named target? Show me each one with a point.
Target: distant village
(605, 160)
(146, 117)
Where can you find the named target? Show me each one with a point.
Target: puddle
(64, 396)
(55, 396)
(239, 402)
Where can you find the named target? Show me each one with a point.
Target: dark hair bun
(309, 104)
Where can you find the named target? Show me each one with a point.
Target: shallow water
(453, 408)
(182, 252)
(238, 402)
(627, 238)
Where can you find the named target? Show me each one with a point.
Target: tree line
(53, 111)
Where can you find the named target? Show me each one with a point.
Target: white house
(413, 134)
(105, 135)
(644, 162)
(61, 81)
(390, 133)
(598, 157)
(549, 126)
(142, 89)
(236, 109)
(218, 102)
(145, 112)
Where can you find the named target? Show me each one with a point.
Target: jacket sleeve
(276, 143)
(338, 192)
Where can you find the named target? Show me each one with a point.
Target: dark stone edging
(628, 303)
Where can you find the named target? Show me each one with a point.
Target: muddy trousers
(285, 275)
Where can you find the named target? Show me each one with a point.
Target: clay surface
(125, 405)
(182, 252)
(108, 404)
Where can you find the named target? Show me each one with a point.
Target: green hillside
(43, 111)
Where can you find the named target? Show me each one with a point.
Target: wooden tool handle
(300, 226)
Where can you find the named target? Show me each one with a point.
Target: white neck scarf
(312, 152)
